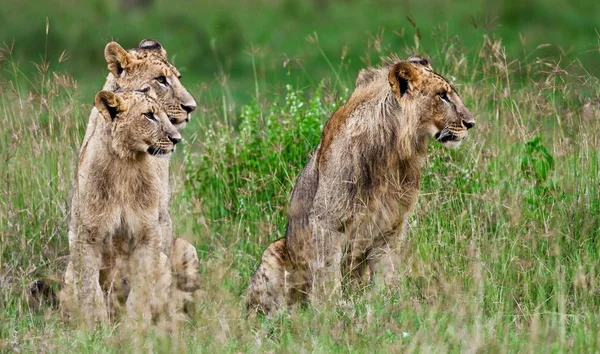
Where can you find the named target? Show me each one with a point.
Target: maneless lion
(349, 207)
(130, 70)
(146, 66)
(118, 191)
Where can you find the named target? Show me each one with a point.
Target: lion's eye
(162, 80)
(150, 116)
(444, 96)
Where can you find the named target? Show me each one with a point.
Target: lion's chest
(367, 211)
(120, 206)
(378, 216)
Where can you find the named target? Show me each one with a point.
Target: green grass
(503, 251)
(276, 41)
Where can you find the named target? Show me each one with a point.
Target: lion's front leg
(355, 264)
(164, 215)
(326, 262)
(384, 257)
(83, 277)
(166, 229)
(145, 268)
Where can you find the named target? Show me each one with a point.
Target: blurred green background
(503, 249)
(270, 43)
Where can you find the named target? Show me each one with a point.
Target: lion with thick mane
(349, 207)
(118, 190)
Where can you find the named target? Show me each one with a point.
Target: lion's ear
(402, 78)
(117, 58)
(151, 44)
(109, 104)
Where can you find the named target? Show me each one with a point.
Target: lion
(118, 191)
(349, 207)
(129, 70)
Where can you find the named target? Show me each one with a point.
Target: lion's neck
(108, 169)
(116, 149)
(123, 183)
(110, 84)
(394, 129)
(393, 152)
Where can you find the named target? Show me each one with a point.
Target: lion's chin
(448, 139)
(158, 152)
(181, 125)
(454, 144)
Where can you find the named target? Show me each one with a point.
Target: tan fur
(350, 204)
(114, 281)
(268, 290)
(115, 209)
(131, 70)
(184, 262)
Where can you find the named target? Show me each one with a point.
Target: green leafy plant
(251, 170)
(536, 162)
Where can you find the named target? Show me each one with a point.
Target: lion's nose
(175, 139)
(469, 124)
(188, 108)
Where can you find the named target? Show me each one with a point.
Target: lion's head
(148, 65)
(440, 111)
(137, 123)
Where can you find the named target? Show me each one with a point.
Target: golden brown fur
(115, 209)
(130, 70)
(114, 281)
(267, 288)
(349, 206)
(184, 263)
(136, 68)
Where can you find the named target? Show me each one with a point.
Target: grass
(274, 40)
(503, 250)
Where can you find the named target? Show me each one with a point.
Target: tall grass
(206, 37)
(41, 127)
(502, 253)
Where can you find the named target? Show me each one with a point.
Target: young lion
(118, 191)
(350, 204)
(148, 65)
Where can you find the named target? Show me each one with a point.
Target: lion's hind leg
(185, 266)
(185, 263)
(267, 291)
